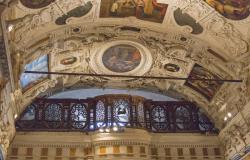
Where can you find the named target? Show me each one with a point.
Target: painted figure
(148, 10)
(114, 8)
(140, 8)
(207, 88)
(232, 9)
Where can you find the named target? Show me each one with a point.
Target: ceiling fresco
(158, 39)
(121, 58)
(207, 88)
(231, 9)
(148, 10)
(36, 4)
(146, 38)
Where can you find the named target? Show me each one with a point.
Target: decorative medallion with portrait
(36, 4)
(121, 58)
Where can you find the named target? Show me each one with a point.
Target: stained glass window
(121, 111)
(78, 116)
(204, 122)
(53, 112)
(140, 114)
(182, 118)
(29, 114)
(159, 117)
(100, 114)
(110, 113)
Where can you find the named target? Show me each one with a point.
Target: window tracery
(159, 117)
(114, 111)
(78, 116)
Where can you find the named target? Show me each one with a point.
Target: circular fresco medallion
(36, 4)
(121, 58)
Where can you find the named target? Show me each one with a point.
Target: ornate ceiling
(180, 38)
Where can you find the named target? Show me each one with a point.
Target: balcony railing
(114, 111)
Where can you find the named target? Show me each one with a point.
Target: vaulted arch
(179, 38)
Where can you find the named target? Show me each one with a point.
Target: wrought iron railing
(113, 111)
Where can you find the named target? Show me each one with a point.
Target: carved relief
(230, 37)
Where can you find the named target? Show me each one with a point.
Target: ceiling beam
(136, 77)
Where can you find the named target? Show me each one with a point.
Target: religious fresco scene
(148, 10)
(231, 9)
(28, 80)
(206, 88)
(121, 58)
(36, 4)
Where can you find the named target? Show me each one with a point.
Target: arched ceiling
(180, 38)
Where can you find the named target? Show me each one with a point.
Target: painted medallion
(171, 67)
(121, 58)
(68, 60)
